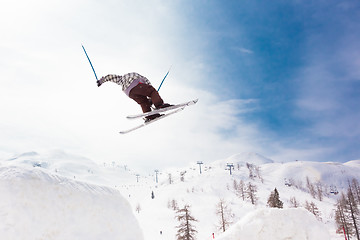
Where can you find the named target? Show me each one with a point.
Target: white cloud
(243, 50)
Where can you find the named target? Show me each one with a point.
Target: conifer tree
(274, 200)
(294, 203)
(310, 187)
(225, 214)
(241, 190)
(311, 207)
(235, 185)
(319, 190)
(352, 210)
(251, 191)
(356, 190)
(172, 204)
(341, 218)
(138, 208)
(186, 230)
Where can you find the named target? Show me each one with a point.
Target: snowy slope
(37, 204)
(56, 195)
(279, 224)
(242, 158)
(203, 192)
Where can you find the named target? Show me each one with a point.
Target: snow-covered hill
(273, 223)
(39, 204)
(56, 195)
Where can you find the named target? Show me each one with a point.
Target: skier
(138, 88)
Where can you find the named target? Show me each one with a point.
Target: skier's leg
(142, 101)
(140, 94)
(151, 92)
(137, 96)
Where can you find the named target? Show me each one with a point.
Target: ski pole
(164, 79)
(90, 62)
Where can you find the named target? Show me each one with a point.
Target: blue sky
(299, 59)
(280, 78)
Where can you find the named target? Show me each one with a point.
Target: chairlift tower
(230, 166)
(200, 162)
(156, 174)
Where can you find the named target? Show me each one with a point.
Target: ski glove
(98, 83)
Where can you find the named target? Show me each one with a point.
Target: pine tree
(353, 210)
(342, 220)
(225, 214)
(250, 167)
(182, 176)
(294, 203)
(320, 191)
(274, 200)
(170, 178)
(310, 187)
(235, 185)
(241, 190)
(356, 190)
(174, 205)
(258, 173)
(251, 191)
(186, 231)
(311, 207)
(138, 208)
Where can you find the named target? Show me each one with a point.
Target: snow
(57, 195)
(37, 204)
(249, 157)
(243, 158)
(277, 224)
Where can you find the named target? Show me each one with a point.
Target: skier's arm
(110, 77)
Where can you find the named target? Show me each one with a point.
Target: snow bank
(38, 205)
(277, 224)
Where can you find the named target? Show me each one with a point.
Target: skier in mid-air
(138, 88)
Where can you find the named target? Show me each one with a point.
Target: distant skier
(138, 88)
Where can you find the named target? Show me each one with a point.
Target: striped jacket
(126, 81)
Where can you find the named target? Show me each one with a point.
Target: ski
(181, 105)
(152, 121)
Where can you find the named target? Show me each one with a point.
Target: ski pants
(140, 94)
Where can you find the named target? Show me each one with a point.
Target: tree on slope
(342, 220)
(173, 205)
(186, 230)
(274, 200)
(138, 208)
(225, 214)
(311, 187)
(251, 191)
(170, 178)
(352, 210)
(294, 203)
(355, 186)
(319, 190)
(241, 190)
(311, 207)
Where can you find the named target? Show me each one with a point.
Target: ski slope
(271, 223)
(37, 204)
(57, 195)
